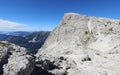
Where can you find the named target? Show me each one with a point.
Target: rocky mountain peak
(88, 45)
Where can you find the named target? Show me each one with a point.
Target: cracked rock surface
(15, 60)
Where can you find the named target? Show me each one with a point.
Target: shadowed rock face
(15, 60)
(83, 45)
(4, 55)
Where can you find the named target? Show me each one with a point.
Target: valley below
(32, 41)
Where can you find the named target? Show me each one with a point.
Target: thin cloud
(6, 25)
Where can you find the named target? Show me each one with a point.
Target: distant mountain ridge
(2, 36)
(17, 33)
(32, 41)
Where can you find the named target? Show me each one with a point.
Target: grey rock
(15, 60)
(87, 45)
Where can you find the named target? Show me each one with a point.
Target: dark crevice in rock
(62, 58)
(40, 71)
(4, 61)
(68, 68)
(43, 67)
(66, 73)
(69, 17)
(86, 59)
(47, 64)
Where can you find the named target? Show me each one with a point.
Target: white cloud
(6, 25)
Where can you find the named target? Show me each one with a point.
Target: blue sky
(31, 15)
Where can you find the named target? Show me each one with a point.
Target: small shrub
(4, 44)
(68, 52)
(97, 53)
(111, 29)
(105, 25)
(86, 32)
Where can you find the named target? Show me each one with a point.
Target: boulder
(15, 60)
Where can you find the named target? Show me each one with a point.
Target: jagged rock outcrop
(83, 45)
(15, 60)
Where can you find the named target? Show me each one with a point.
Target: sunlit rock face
(15, 60)
(83, 45)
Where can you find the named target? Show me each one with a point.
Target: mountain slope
(36, 40)
(37, 36)
(19, 40)
(18, 33)
(2, 36)
(31, 42)
(83, 45)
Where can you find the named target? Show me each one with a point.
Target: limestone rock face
(15, 60)
(83, 45)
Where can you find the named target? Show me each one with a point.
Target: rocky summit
(82, 45)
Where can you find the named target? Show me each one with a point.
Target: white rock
(90, 45)
(15, 60)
